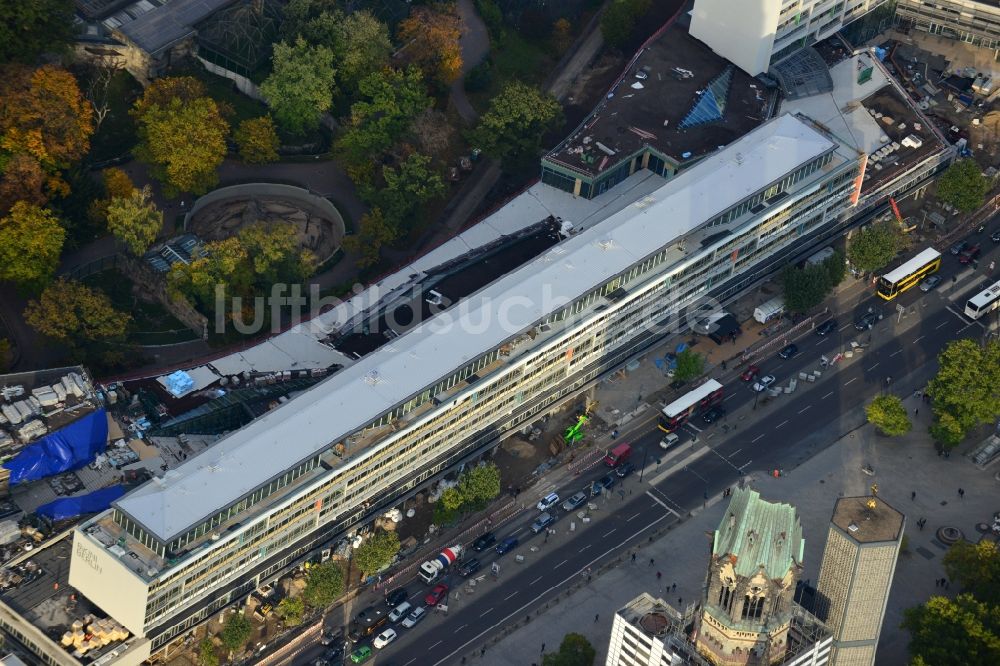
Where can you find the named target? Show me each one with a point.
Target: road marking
(486, 612)
(781, 424)
(585, 547)
(845, 326)
(563, 562)
(512, 594)
(827, 395)
(520, 611)
(516, 531)
(693, 427)
(755, 439)
(848, 382)
(410, 662)
(871, 368)
(728, 397)
(462, 627)
(734, 452)
(898, 351)
(609, 534)
(803, 410)
(919, 339)
(941, 325)
(435, 645)
(537, 579)
(634, 517)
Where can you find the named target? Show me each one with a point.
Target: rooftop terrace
(684, 80)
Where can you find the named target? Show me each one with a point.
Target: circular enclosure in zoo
(223, 212)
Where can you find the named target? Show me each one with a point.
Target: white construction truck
(431, 569)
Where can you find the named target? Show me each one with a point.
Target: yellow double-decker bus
(909, 274)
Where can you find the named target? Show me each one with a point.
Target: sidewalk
(902, 466)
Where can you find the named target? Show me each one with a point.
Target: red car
(749, 374)
(969, 254)
(435, 596)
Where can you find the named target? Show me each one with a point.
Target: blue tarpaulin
(71, 507)
(64, 450)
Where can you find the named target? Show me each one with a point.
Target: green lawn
(151, 323)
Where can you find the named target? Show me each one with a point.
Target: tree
(292, 610)
(954, 631)
(377, 552)
(432, 132)
(22, 180)
(324, 585)
(300, 87)
(236, 631)
(314, 20)
(690, 365)
(873, 248)
(206, 653)
(73, 314)
(273, 253)
(620, 19)
(28, 29)
(518, 118)
(451, 500)
(413, 183)
(361, 48)
(963, 186)
(575, 650)
(430, 41)
(101, 72)
(562, 36)
(389, 101)
(964, 389)
(135, 220)
(480, 484)
(44, 115)
(257, 140)
(182, 135)
(30, 242)
(977, 567)
(373, 233)
(116, 184)
(805, 288)
(887, 413)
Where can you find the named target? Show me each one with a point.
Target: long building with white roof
(177, 549)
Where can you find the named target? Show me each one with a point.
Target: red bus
(677, 412)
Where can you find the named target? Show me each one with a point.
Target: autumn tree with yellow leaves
(73, 314)
(429, 39)
(31, 239)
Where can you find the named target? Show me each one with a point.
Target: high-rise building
(854, 580)
(975, 22)
(755, 564)
(755, 34)
(252, 506)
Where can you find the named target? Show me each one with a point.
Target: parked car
(468, 568)
(750, 373)
(969, 254)
(713, 414)
(361, 654)
(929, 283)
(762, 383)
(995, 237)
(414, 618)
(625, 470)
(383, 639)
(484, 542)
(330, 636)
(641, 75)
(789, 351)
(573, 502)
(548, 502)
(436, 595)
(396, 597)
(400, 611)
(607, 481)
(826, 328)
(542, 522)
(866, 321)
(669, 440)
(958, 247)
(507, 545)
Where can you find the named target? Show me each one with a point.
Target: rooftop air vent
(373, 378)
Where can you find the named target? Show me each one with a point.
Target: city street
(773, 434)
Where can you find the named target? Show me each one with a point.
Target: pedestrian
(673, 587)
(961, 493)
(633, 558)
(543, 647)
(913, 495)
(916, 410)
(937, 582)
(651, 561)
(680, 602)
(482, 652)
(724, 360)
(597, 617)
(658, 575)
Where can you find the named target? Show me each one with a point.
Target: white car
(669, 440)
(414, 618)
(762, 383)
(548, 502)
(383, 639)
(400, 611)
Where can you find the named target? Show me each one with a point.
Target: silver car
(542, 522)
(574, 501)
(763, 383)
(930, 283)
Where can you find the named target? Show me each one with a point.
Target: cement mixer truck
(431, 569)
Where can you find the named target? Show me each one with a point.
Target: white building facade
(258, 502)
(755, 34)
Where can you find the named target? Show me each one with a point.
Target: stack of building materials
(31, 430)
(9, 532)
(46, 396)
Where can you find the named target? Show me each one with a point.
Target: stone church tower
(756, 561)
